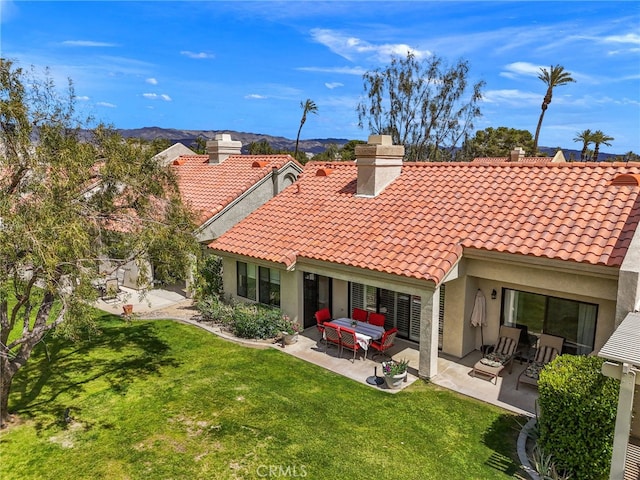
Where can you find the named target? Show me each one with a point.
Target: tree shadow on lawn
(119, 354)
(505, 454)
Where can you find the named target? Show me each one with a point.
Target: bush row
(244, 320)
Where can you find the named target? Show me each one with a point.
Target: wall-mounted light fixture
(494, 294)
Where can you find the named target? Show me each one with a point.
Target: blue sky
(246, 66)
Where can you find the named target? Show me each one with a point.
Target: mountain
(188, 138)
(313, 145)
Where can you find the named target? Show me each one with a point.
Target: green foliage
(578, 410)
(261, 148)
(496, 142)
(256, 321)
(395, 367)
(209, 277)
(424, 105)
(77, 195)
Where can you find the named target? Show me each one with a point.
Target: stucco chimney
(517, 154)
(222, 147)
(379, 163)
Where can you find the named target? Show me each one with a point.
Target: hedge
(577, 415)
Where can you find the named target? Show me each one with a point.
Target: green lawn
(163, 400)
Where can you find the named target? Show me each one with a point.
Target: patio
(454, 374)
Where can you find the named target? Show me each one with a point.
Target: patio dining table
(365, 332)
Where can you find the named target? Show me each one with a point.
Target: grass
(164, 400)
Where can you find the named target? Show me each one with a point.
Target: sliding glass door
(572, 320)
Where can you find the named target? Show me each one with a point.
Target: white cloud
(87, 43)
(82, 98)
(106, 104)
(333, 85)
(196, 55)
(155, 96)
(511, 97)
(632, 38)
(359, 71)
(348, 47)
(254, 96)
(517, 69)
(151, 81)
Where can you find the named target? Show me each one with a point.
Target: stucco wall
(598, 286)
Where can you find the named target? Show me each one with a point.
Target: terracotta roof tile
(209, 188)
(419, 224)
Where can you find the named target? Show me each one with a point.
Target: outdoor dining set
(361, 332)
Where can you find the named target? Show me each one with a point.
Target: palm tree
(599, 138)
(554, 77)
(308, 106)
(586, 137)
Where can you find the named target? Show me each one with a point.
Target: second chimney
(222, 147)
(517, 154)
(379, 163)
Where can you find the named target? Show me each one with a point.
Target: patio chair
(322, 316)
(376, 319)
(332, 335)
(359, 314)
(348, 340)
(111, 289)
(501, 355)
(549, 347)
(385, 343)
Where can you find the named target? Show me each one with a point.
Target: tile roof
(419, 224)
(209, 188)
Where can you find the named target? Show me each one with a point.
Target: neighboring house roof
(209, 187)
(419, 224)
(557, 158)
(174, 151)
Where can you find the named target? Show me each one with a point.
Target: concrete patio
(453, 374)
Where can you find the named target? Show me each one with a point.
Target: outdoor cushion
(494, 359)
(546, 354)
(505, 346)
(533, 370)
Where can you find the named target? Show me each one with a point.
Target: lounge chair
(111, 289)
(549, 347)
(500, 356)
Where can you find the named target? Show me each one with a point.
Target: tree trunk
(535, 140)
(6, 377)
(596, 152)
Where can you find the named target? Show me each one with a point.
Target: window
(246, 276)
(269, 286)
(575, 321)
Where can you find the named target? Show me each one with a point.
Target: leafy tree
(600, 138)
(348, 151)
(199, 145)
(424, 105)
(66, 205)
(553, 77)
(586, 137)
(496, 142)
(308, 106)
(260, 148)
(331, 154)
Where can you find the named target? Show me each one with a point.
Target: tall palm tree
(600, 138)
(553, 77)
(586, 137)
(308, 106)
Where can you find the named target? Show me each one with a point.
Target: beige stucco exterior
(482, 270)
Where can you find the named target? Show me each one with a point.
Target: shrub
(256, 321)
(213, 309)
(577, 415)
(209, 277)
